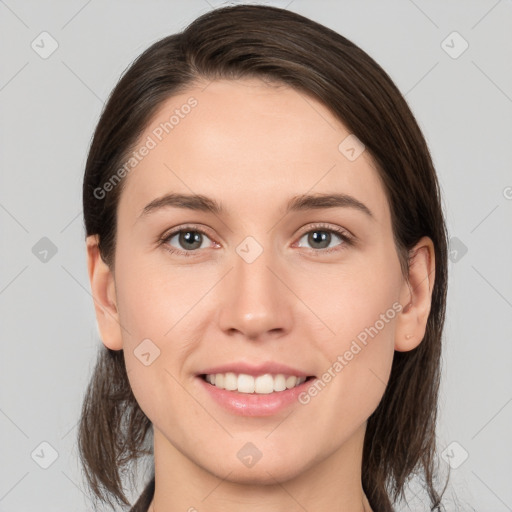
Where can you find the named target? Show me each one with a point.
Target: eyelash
(346, 238)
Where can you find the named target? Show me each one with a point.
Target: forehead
(243, 139)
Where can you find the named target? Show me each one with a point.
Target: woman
(267, 255)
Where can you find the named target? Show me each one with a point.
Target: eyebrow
(198, 202)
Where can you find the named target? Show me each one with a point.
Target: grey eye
(319, 238)
(189, 239)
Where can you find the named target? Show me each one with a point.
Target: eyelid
(327, 227)
(186, 227)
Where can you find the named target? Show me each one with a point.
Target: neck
(333, 483)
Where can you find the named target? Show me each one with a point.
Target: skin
(251, 146)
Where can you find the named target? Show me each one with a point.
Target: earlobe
(416, 296)
(103, 290)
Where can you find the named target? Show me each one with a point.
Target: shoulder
(145, 498)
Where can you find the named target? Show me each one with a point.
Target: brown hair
(282, 47)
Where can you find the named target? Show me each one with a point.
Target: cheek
(163, 320)
(153, 298)
(361, 309)
(356, 300)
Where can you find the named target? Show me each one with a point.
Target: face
(270, 286)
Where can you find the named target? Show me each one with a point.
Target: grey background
(49, 108)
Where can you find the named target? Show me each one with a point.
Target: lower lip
(252, 404)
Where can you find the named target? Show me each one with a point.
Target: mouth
(263, 384)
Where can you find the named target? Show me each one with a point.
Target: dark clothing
(144, 501)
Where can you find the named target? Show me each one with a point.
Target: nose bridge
(255, 301)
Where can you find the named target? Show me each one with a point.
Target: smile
(260, 384)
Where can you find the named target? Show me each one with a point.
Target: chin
(263, 472)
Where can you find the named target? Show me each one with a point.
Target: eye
(188, 241)
(323, 239)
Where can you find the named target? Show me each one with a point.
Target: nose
(255, 301)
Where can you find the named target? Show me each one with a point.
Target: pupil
(323, 237)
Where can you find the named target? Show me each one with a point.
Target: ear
(102, 283)
(416, 296)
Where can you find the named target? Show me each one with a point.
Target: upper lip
(273, 368)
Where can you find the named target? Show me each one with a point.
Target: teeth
(219, 380)
(291, 382)
(230, 381)
(279, 383)
(263, 384)
(245, 383)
